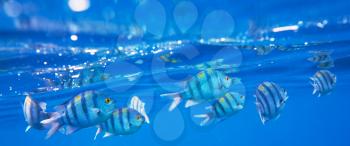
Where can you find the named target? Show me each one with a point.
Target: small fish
(84, 110)
(270, 101)
(320, 57)
(125, 121)
(209, 64)
(34, 112)
(223, 107)
(326, 64)
(84, 77)
(264, 50)
(168, 58)
(206, 85)
(323, 82)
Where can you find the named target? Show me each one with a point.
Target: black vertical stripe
(222, 108)
(199, 89)
(210, 82)
(229, 104)
(94, 99)
(262, 106)
(328, 78)
(112, 123)
(67, 116)
(263, 97)
(271, 97)
(121, 118)
(85, 110)
(281, 98)
(74, 111)
(320, 81)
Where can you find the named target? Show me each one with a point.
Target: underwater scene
(174, 72)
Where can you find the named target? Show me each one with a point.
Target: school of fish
(210, 85)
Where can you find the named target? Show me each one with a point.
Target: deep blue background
(306, 119)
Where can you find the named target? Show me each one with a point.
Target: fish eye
(227, 78)
(138, 117)
(108, 100)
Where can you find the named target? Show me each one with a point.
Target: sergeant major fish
(86, 109)
(125, 121)
(270, 101)
(34, 112)
(320, 56)
(323, 82)
(223, 107)
(206, 85)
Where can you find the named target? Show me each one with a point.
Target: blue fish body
(270, 101)
(124, 121)
(224, 107)
(34, 113)
(84, 110)
(323, 82)
(205, 86)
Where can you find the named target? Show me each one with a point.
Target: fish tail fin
(176, 97)
(54, 124)
(139, 106)
(206, 118)
(314, 85)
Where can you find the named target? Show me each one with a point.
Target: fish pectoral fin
(99, 130)
(43, 106)
(190, 103)
(107, 134)
(28, 128)
(71, 129)
(95, 110)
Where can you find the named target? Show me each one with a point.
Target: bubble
(217, 24)
(74, 37)
(12, 8)
(150, 15)
(79, 5)
(185, 14)
(168, 126)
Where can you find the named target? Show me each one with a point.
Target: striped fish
(270, 101)
(206, 85)
(323, 82)
(320, 56)
(34, 112)
(84, 110)
(125, 121)
(326, 64)
(85, 77)
(223, 107)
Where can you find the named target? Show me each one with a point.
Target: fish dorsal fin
(139, 106)
(43, 106)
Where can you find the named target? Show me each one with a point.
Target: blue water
(149, 47)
